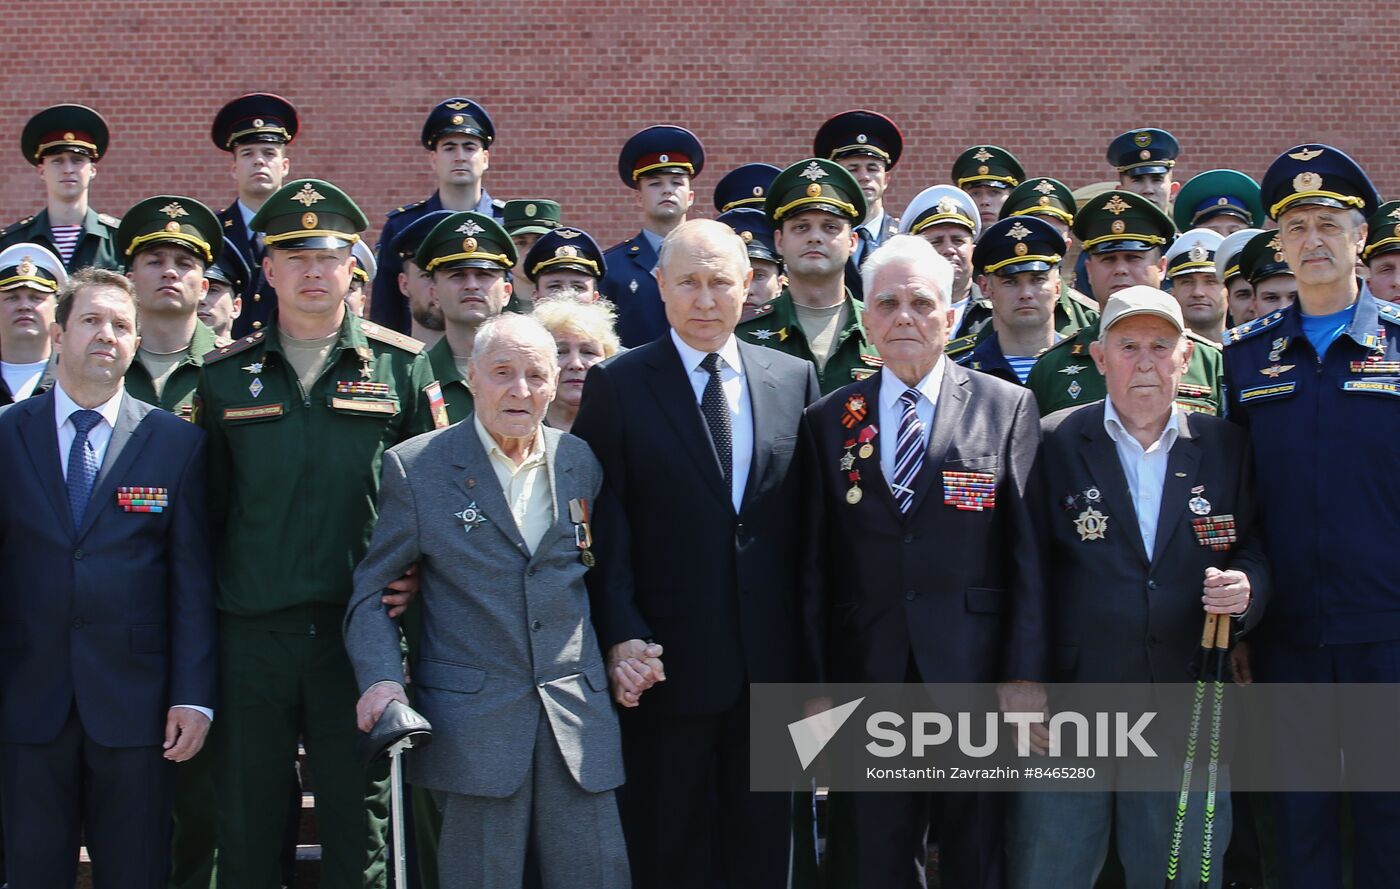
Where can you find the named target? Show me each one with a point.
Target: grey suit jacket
(507, 635)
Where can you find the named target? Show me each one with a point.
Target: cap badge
(1118, 226)
(1394, 214)
(1222, 202)
(948, 206)
(1274, 243)
(456, 106)
(1198, 253)
(758, 191)
(1143, 139)
(257, 122)
(1116, 205)
(1144, 155)
(814, 190)
(566, 233)
(1305, 154)
(469, 245)
(309, 220)
(814, 171)
(747, 236)
(308, 195)
(69, 136)
(26, 266)
(458, 120)
(1307, 181)
(470, 228)
(172, 226)
(1017, 231)
(566, 250)
(530, 209)
(1044, 201)
(1045, 187)
(665, 158)
(982, 155)
(862, 138)
(1020, 249)
(983, 170)
(173, 210)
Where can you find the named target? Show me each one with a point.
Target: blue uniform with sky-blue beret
(460, 115)
(630, 283)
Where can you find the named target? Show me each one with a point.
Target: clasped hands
(633, 667)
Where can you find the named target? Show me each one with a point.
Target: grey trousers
(577, 834)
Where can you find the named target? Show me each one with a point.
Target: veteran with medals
(497, 511)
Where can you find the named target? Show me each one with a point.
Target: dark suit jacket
(629, 283)
(1122, 614)
(675, 564)
(118, 614)
(960, 591)
(259, 299)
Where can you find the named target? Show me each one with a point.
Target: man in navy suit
(107, 657)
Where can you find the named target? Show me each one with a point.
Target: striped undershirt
(1022, 366)
(65, 238)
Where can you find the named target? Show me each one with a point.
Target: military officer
(30, 275)
(416, 284)
(1382, 252)
(1019, 260)
(948, 218)
(768, 279)
(1224, 201)
(659, 164)
(1124, 237)
(256, 129)
(1239, 293)
(469, 256)
(298, 416)
(744, 186)
(65, 142)
(361, 279)
(813, 207)
(1144, 159)
(1051, 200)
(565, 264)
(1316, 386)
(1263, 262)
(868, 145)
(168, 242)
(458, 136)
(988, 174)
(221, 304)
(1195, 282)
(526, 221)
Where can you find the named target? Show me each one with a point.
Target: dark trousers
(56, 795)
(688, 816)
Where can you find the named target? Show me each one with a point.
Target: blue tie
(82, 464)
(908, 452)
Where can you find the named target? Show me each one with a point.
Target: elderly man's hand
(374, 700)
(1028, 697)
(404, 589)
(185, 731)
(633, 667)
(1226, 592)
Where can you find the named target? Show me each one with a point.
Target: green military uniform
(177, 396)
(453, 384)
(293, 476)
(1051, 199)
(525, 221)
(774, 325)
(96, 244)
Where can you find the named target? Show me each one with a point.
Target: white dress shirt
(99, 437)
(1145, 468)
(892, 412)
(736, 392)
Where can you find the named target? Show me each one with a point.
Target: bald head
(702, 234)
(703, 273)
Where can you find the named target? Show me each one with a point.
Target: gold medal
(1091, 524)
(853, 495)
(589, 560)
(866, 450)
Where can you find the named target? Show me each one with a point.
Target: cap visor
(1031, 265)
(1121, 247)
(531, 229)
(469, 264)
(1160, 313)
(317, 242)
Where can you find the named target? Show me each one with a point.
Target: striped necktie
(908, 453)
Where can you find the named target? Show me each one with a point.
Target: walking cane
(399, 728)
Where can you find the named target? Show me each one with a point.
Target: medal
(1091, 524)
(255, 388)
(583, 534)
(848, 460)
(855, 493)
(866, 450)
(867, 435)
(1215, 533)
(1092, 495)
(470, 517)
(1198, 504)
(855, 411)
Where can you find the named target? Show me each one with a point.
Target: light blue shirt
(1322, 330)
(736, 392)
(1145, 468)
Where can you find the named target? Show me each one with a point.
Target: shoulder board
(499, 205)
(620, 245)
(233, 348)
(1388, 311)
(14, 225)
(1068, 344)
(1196, 337)
(1250, 328)
(1076, 297)
(406, 207)
(960, 345)
(392, 337)
(108, 220)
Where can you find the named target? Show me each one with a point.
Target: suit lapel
(477, 481)
(676, 399)
(39, 431)
(1101, 457)
(643, 256)
(947, 420)
(873, 480)
(764, 402)
(559, 490)
(1183, 463)
(128, 437)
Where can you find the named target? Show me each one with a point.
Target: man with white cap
(30, 275)
(947, 217)
(1195, 283)
(1128, 496)
(1239, 293)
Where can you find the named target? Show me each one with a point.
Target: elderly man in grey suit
(495, 510)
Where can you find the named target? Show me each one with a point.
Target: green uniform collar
(444, 363)
(786, 311)
(351, 338)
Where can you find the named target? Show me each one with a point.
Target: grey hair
(915, 252)
(593, 320)
(522, 328)
(716, 232)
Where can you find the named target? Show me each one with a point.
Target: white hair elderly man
(496, 511)
(922, 464)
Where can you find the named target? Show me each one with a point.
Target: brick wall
(567, 82)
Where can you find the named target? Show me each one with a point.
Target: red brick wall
(566, 83)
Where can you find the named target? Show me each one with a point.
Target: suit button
(740, 529)
(1152, 584)
(908, 538)
(78, 554)
(77, 623)
(909, 594)
(535, 625)
(531, 572)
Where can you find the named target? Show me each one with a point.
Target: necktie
(82, 463)
(908, 453)
(867, 241)
(716, 410)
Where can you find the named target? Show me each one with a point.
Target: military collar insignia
(1306, 154)
(173, 209)
(814, 171)
(983, 155)
(1116, 205)
(470, 228)
(308, 195)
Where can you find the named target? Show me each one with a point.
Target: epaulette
(392, 337)
(1205, 341)
(406, 207)
(233, 348)
(1388, 311)
(620, 245)
(1252, 327)
(109, 220)
(14, 225)
(1070, 343)
(498, 205)
(960, 345)
(1076, 297)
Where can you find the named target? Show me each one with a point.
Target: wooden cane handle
(1208, 634)
(1222, 632)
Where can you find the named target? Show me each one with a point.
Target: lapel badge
(255, 388)
(1093, 495)
(1198, 504)
(763, 334)
(1075, 389)
(854, 411)
(254, 368)
(867, 435)
(470, 517)
(1091, 524)
(1273, 372)
(1070, 370)
(1277, 347)
(633, 286)
(854, 494)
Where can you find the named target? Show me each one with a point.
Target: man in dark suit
(107, 675)
(920, 565)
(697, 539)
(1144, 511)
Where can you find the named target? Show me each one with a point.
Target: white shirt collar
(535, 452)
(892, 387)
(65, 407)
(691, 358)
(1113, 425)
